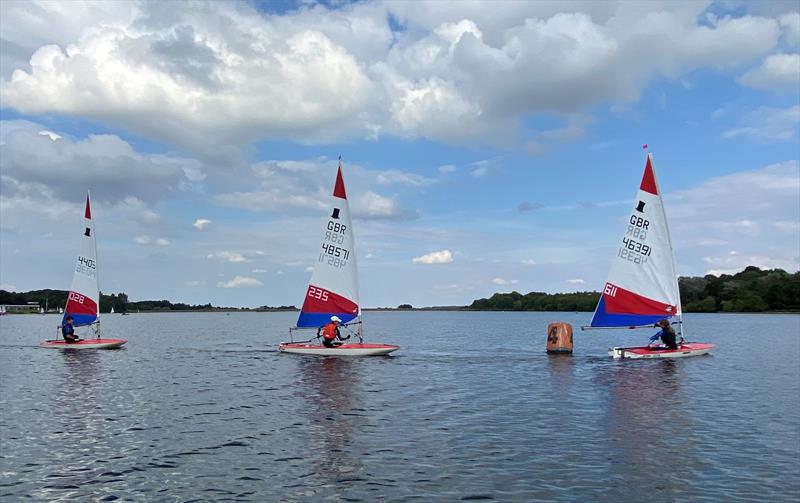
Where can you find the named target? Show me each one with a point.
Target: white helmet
(336, 318)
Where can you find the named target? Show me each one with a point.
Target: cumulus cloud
(240, 282)
(286, 186)
(437, 257)
(777, 72)
(576, 281)
(106, 163)
(201, 223)
(456, 72)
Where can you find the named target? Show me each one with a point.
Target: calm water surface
(200, 407)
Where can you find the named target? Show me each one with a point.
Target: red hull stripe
(343, 346)
(324, 301)
(686, 346)
(625, 302)
(88, 213)
(84, 342)
(648, 180)
(338, 189)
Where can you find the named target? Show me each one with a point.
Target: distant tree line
(53, 299)
(752, 290)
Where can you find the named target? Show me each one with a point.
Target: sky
(486, 146)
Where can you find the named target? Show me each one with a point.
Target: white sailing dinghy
(642, 287)
(333, 289)
(83, 301)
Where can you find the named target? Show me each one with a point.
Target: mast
(669, 241)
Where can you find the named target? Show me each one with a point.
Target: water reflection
(77, 425)
(646, 428)
(330, 387)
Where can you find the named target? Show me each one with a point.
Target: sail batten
(333, 289)
(642, 286)
(83, 301)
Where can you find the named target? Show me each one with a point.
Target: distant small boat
(333, 289)
(642, 287)
(83, 300)
(112, 311)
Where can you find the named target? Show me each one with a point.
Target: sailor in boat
(68, 331)
(667, 334)
(330, 333)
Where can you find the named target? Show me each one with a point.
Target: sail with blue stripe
(642, 287)
(83, 300)
(333, 289)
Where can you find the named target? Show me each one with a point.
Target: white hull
(645, 352)
(343, 350)
(84, 344)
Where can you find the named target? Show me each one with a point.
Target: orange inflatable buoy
(559, 337)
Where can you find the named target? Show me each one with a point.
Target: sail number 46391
(634, 251)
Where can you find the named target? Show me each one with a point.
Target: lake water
(200, 407)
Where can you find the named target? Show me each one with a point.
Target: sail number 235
(317, 293)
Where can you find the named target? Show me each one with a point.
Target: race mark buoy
(559, 337)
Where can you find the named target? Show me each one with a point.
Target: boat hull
(302, 348)
(84, 344)
(684, 350)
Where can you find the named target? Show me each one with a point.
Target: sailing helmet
(336, 319)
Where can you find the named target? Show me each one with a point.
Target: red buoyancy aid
(329, 331)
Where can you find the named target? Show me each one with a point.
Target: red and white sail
(642, 287)
(84, 296)
(333, 289)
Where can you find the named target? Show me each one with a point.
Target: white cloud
(777, 72)
(501, 281)
(456, 72)
(750, 210)
(8, 287)
(480, 169)
(790, 24)
(447, 168)
(201, 223)
(147, 240)
(107, 163)
(437, 257)
(576, 281)
(768, 125)
(529, 261)
(239, 282)
(53, 136)
(399, 177)
(259, 271)
(228, 256)
(194, 283)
